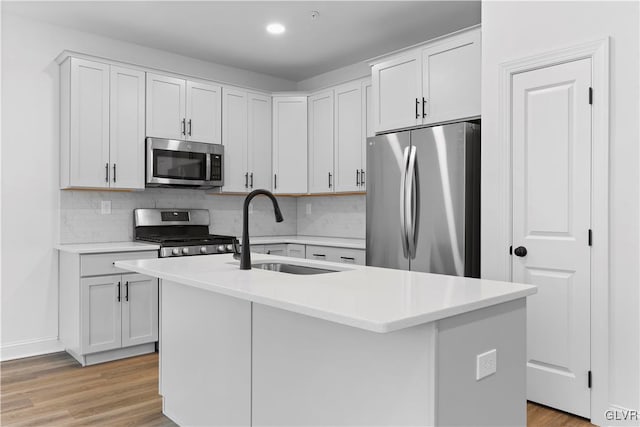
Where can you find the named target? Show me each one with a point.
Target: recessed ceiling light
(275, 28)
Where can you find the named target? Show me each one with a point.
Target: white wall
(512, 30)
(30, 165)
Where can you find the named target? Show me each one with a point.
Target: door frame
(598, 52)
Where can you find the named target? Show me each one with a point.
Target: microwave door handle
(208, 168)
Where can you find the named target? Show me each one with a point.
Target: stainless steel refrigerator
(423, 200)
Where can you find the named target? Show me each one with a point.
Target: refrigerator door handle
(403, 202)
(410, 203)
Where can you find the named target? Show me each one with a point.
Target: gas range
(180, 232)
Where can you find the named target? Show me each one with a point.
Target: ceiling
(233, 32)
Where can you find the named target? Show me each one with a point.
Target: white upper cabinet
(204, 114)
(84, 94)
(433, 83)
(166, 103)
(101, 126)
(397, 84)
(260, 149)
(290, 144)
(451, 78)
(247, 139)
(348, 136)
(181, 109)
(321, 172)
(234, 139)
(126, 148)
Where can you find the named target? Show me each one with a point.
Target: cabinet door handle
(357, 178)
(361, 176)
(424, 107)
(184, 125)
(126, 290)
(114, 172)
(275, 181)
(329, 179)
(118, 291)
(246, 180)
(251, 180)
(189, 127)
(106, 172)
(417, 104)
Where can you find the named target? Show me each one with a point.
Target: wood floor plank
(54, 390)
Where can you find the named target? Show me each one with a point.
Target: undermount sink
(291, 268)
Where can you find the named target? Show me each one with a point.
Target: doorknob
(520, 251)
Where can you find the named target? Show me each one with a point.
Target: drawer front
(329, 253)
(277, 249)
(102, 264)
(295, 250)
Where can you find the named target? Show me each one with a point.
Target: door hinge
(590, 95)
(590, 238)
(510, 250)
(589, 379)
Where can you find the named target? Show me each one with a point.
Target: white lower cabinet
(106, 316)
(278, 249)
(295, 250)
(333, 254)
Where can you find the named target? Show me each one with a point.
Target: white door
(101, 320)
(396, 91)
(367, 128)
(204, 112)
(348, 137)
(260, 149)
(166, 102)
(126, 137)
(451, 79)
(139, 309)
(321, 172)
(89, 132)
(551, 119)
(290, 144)
(234, 139)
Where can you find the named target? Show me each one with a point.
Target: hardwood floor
(53, 390)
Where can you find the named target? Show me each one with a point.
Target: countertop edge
(378, 327)
(340, 242)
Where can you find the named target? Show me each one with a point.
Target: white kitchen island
(361, 346)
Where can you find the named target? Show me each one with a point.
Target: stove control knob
(203, 250)
(175, 251)
(221, 248)
(185, 251)
(230, 248)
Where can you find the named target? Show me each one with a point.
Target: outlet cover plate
(486, 364)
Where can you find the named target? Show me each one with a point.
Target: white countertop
(337, 242)
(370, 298)
(96, 248)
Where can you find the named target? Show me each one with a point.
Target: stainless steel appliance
(174, 163)
(180, 232)
(423, 200)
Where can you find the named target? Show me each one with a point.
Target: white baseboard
(20, 349)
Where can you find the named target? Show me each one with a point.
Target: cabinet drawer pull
(126, 290)
(118, 291)
(322, 255)
(348, 258)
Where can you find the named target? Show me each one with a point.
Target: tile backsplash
(81, 220)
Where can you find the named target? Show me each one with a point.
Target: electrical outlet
(105, 207)
(486, 364)
(308, 208)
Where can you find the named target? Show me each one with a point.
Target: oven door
(181, 163)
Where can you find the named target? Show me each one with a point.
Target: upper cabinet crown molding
(434, 83)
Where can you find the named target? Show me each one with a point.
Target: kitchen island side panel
(310, 372)
(205, 351)
(498, 399)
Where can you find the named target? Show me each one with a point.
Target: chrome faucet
(245, 254)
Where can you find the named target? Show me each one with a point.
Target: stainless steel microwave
(185, 164)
